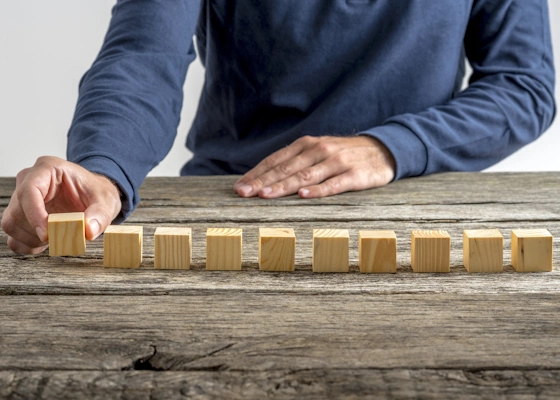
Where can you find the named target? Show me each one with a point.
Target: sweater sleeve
(130, 100)
(509, 101)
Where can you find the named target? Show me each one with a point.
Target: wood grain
(277, 249)
(430, 251)
(122, 246)
(531, 250)
(377, 251)
(172, 248)
(309, 384)
(483, 250)
(224, 249)
(67, 234)
(330, 250)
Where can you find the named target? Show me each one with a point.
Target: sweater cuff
(107, 167)
(410, 153)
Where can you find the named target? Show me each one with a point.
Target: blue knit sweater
(277, 70)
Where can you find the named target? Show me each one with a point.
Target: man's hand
(55, 185)
(319, 167)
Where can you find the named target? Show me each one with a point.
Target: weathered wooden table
(69, 328)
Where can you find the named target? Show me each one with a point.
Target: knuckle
(324, 147)
(7, 224)
(284, 169)
(22, 174)
(280, 187)
(306, 140)
(270, 161)
(305, 175)
(334, 185)
(339, 158)
(13, 244)
(257, 182)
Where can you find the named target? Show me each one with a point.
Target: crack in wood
(143, 363)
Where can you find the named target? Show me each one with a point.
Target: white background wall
(46, 46)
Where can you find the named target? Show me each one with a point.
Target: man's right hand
(54, 185)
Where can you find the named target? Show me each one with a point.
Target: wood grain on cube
(377, 251)
(223, 249)
(277, 249)
(430, 251)
(122, 246)
(172, 248)
(483, 250)
(531, 250)
(330, 250)
(67, 234)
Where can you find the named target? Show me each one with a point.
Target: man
(312, 97)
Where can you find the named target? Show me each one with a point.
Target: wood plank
(447, 188)
(85, 275)
(259, 332)
(309, 384)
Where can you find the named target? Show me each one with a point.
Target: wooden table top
(70, 328)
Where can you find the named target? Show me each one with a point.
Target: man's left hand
(319, 167)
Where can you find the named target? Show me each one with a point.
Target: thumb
(98, 217)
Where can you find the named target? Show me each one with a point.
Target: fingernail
(41, 234)
(94, 227)
(304, 192)
(266, 191)
(245, 190)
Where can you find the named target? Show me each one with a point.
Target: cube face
(277, 249)
(483, 250)
(67, 234)
(377, 251)
(122, 246)
(223, 249)
(430, 251)
(531, 250)
(172, 248)
(330, 250)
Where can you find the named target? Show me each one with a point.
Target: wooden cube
(67, 235)
(223, 249)
(377, 251)
(122, 246)
(277, 249)
(531, 250)
(172, 248)
(430, 251)
(483, 250)
(330, 250)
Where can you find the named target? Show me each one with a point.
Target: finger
(285, 177)
(33, 206)
(243, 185)
(312, 175)
(98, 217)
(104, 205)
(33, 188)
(21, 248)
(15, 224)
(345, 182)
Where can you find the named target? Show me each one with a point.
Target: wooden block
(277, 249)
(172, 248)
(122, 246)
(377, 251)
(483, 250)
(330, 250)
(223, 249)
(430, 251)
(67, 235)
(531, 250)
